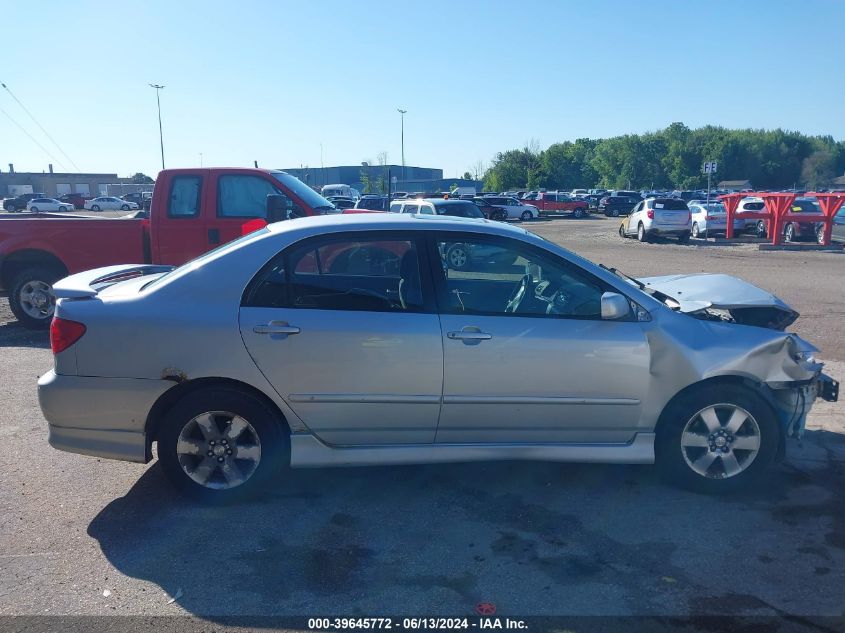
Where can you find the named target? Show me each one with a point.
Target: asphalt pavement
(85, 536)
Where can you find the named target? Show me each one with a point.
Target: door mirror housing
(614, 306)
(277, 207)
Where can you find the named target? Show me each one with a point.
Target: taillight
(650, 214)
(64, 333)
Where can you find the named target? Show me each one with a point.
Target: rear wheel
(95, 207)
(683, 238)
(717, 439)
(789, 233)
(220, 444)
(820, 234)
(580, 212)
(33, 209)
(622, 231)
(614, 213)
(761, 229)
(641, 234)
(124, 207)
(31, 299)
(63, 209)
(457, 256)
(695, 231)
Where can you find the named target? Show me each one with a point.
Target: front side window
(332, 273)
(494, 276)
(244, 196)
(184, 200)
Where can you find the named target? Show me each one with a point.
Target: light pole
(158, 87)
(402, 114)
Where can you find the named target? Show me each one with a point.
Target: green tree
(141, 179)
(818, 169)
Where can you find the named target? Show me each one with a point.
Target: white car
(517, 210)
(108, 203)
(749, 205)
(48, 204)
(711, 218)
(658, 216)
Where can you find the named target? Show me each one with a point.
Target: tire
(580, 212)
(789, 233)
(622, 233)
(761, 229)
(641, 234)
(683, 238)
(526, 216)
(95, 207)
(457, 257)
(614, 213)
(265, 439)
(683, 464)
(124, 207)
(33, 209)
(820, 234)
(63, 209)
(31, 298)
(695, 231)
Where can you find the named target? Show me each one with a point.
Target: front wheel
(717, 439)
(124, 207)
(220, 444)
(63, 209)
(95, 207)
(820, 234)
(789, 233)
(457, 256)
(761, 229)
(31, 298)
(622, 233)
(33, 209)
(526, 216)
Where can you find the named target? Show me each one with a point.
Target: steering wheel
(526, 286)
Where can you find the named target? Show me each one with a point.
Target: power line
(33, 139)
(41, 127)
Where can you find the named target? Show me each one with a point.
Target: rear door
(345, 329)
(178, 231)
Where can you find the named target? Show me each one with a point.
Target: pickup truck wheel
(95, 207)
(717, 439)
(220, 444)
(124, 207)
(580, 212)
(32, 300)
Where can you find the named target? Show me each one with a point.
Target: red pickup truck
(192, 211)
(552, 203)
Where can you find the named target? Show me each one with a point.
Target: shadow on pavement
(533, 538)
(13, 334)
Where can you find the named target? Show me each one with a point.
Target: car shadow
(535, 538)
(13, 334)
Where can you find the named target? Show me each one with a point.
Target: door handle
(213, 236)
(276, 327)
(469, 335)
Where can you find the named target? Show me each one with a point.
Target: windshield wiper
(619, 273)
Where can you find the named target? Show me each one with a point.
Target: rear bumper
(103, 417)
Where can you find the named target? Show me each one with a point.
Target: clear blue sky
(271, 81)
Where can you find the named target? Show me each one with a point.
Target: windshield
(302, 191)
(459, 209)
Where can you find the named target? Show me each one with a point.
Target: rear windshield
(670, 204)
(754, 206)
(459, 209)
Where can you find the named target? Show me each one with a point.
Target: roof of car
(394, 221)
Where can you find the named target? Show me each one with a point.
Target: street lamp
(402, 114)
(158, 88)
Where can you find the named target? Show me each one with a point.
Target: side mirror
(277, 207)
(614, 306)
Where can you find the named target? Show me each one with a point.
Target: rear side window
(184, 200)
(670, 205)
(396, 207)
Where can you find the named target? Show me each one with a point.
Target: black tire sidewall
(668, 452)
(31, 274)
(271, 430)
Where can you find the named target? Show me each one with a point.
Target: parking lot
(88, 536)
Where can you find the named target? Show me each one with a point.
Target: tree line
(672, 158)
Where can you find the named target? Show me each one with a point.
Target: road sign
(710, 167)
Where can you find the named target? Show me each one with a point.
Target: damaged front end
(783, 363)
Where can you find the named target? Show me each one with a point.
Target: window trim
(429, 305)
(441, 291)
(198, 211)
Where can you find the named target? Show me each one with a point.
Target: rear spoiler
(90, 282)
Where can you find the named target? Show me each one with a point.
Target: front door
(527, 356)
(345, 329)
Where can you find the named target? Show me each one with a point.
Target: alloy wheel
(37, 299)
(720, 441)
(219, 450)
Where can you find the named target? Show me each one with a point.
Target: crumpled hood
(697, 292)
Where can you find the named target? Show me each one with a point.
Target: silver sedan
(351, 340)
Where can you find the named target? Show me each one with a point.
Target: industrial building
(53, 184)
(355, 175)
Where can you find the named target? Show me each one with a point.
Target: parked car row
(71, 201)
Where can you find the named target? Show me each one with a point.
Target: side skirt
(309, 452)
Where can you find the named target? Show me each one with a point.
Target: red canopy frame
(778, 211)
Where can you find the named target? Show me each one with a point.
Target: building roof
(838, 181)
(733, 183)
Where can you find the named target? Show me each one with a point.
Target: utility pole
(200, 159)
(158, 88)
(402, 114)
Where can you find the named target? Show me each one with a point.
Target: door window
(245, 196)
(184, 201)
(503, 277)
(379, 275)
